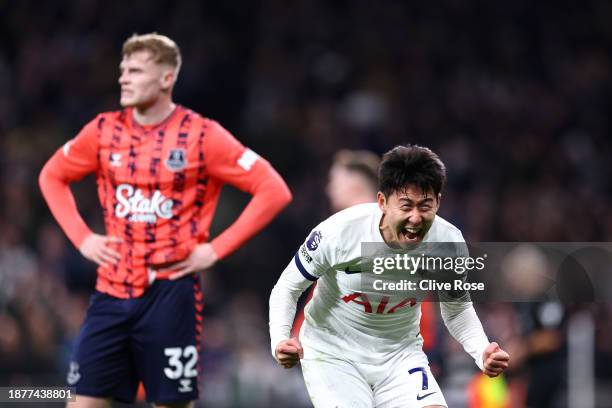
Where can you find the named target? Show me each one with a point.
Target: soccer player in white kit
(362, 350)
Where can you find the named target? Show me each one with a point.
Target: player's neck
(153, 114)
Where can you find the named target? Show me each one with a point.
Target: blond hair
(162, 48)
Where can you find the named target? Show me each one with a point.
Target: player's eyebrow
(133, 69)
(426, 200)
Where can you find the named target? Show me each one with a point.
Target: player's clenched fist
(288, 352)
(495, 360)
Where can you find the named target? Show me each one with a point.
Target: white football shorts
(404, 381)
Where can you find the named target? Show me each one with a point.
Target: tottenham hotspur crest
(176, 160)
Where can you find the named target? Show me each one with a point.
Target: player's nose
(415, 218)
(123, 79)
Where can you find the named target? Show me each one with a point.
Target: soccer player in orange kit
(159, 169)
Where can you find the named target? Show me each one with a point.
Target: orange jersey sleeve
(77, 158)
(229, 161)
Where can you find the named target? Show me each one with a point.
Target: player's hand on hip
(495, 360)
(202, 257)
(288, 352)
(96, 248)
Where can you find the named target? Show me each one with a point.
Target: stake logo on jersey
(176, 160)
(133, 205)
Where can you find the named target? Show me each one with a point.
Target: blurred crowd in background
(513, 95)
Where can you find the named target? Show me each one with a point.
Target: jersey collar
(147, 128)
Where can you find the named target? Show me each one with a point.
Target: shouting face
(407, 215)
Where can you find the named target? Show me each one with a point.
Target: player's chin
(127, 102)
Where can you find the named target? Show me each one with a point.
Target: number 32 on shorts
(176, 356)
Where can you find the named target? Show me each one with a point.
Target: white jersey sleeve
(459, 315)
(310, 262)
(283, 301)
(464, 325)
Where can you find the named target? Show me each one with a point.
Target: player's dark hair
(408, 165)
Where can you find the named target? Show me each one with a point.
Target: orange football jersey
(158, 187)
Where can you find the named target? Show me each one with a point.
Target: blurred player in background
(353, 179)
(159, 169)
(353, 351)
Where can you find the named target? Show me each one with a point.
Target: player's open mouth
(411, 234)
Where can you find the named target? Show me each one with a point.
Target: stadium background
(513, 95)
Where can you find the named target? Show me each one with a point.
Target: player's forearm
(269, 198)
(56, 191)
(283, 303)
(464, 325)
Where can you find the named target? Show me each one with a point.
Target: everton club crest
(176, 160)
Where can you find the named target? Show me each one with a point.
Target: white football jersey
(342, 319)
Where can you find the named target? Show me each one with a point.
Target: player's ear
(382, 201)
(168, 78)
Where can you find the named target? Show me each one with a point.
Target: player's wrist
(213, 254)
(275, 343)
(482, 348)
(82, 237)
(84, 240)
(218, 248)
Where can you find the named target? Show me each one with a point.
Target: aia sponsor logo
(313, 240)
(381, 307)
(133, 205)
